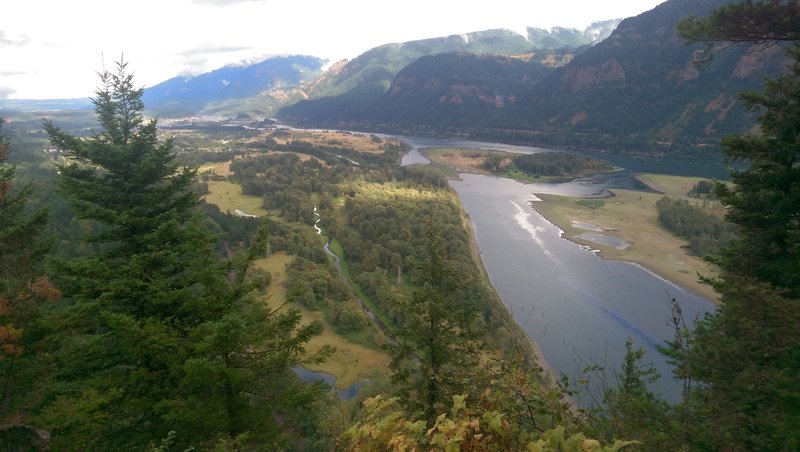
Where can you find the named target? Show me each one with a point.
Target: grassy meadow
(352, 361)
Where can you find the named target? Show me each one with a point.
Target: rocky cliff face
(642, 83)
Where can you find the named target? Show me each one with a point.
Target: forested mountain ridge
(261, 88)
(351, 88)
(638, 90)
(452, 89)
(380, 64)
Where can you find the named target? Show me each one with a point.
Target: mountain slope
(638, 90)
(641, 83)
(460, 89)
(190, 95)
(351, 88)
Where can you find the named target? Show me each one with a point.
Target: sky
(53, 49)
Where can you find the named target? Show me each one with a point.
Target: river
(579, 308)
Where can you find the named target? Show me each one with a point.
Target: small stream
(310, 376)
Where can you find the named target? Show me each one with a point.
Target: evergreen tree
(630, 410)
(437, 351)
(747, 354)
(159, 339)
(23, 288)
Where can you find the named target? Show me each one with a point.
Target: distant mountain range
(205, 92)
(349, 89)
(43, 105)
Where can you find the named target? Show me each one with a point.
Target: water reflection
(579, 308)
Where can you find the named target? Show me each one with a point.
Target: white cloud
(6, 91)
(14, 41)
(211, 48)
(10, 73)
(223, 2)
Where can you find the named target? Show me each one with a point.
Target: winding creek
(311, 376)
(579, 308)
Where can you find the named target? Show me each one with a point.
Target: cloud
(9, 73)
(13, 41)
(212, 49)
(6, 91)
(223, 2)
(206, 57)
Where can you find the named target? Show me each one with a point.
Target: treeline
(559, 164)
(391, 152)
(706, 233)
(288, 184)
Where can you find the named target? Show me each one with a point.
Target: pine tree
(630, 410)
(22, 284)
(159, 339)
(437, 351)
(746, 355)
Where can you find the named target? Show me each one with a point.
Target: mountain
(641, 85)
(227, 87)
(41, 105)
(351, 87)
(460, 89)
(638, 90)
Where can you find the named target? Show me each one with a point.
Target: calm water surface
(579, 308)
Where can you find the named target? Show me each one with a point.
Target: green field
(228, 197)
(352, 361)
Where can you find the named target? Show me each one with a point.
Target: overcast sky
(52, 49)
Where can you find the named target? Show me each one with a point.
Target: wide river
(579, 309)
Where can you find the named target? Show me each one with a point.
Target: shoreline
(595, 248)
(671, 265)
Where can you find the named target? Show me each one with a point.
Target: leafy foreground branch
(386, 426)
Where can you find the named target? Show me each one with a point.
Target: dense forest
(706, 233)
(134, 316)
(559, 164)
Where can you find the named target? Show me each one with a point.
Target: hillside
(641, 85)
(231, 85)
(460, 89)
(638, 90)
(350, 88)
